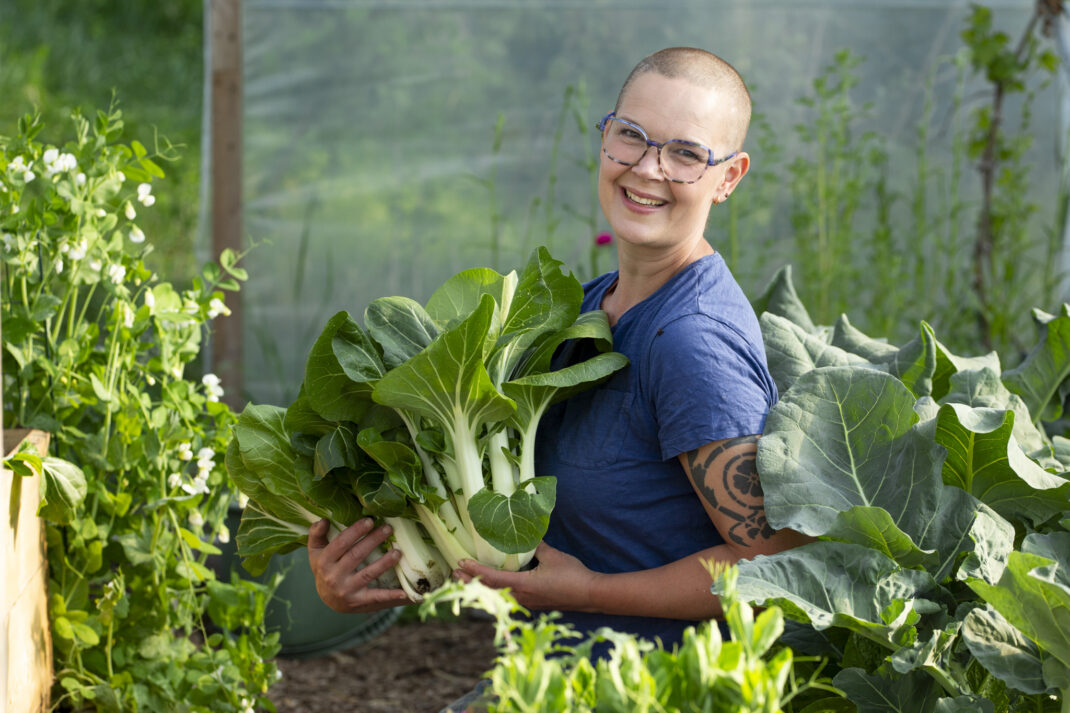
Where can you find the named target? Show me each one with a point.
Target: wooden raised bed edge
(25, 639)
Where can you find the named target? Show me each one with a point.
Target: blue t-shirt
(697, 374)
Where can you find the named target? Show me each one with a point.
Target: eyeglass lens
(680, 160)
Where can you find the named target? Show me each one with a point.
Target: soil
(412, 667)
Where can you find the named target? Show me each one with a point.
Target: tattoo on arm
(740, 496)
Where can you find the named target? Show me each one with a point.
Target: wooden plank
(226, 183)
(25, 640)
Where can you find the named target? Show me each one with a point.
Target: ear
(734, 171)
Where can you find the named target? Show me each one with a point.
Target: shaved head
(706, 71)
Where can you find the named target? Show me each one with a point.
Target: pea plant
(101, 353)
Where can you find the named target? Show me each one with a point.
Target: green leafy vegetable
(426, 417)
(940, 575)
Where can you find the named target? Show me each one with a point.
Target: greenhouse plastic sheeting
(388, 145)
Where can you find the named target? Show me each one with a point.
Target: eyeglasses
(681, 161)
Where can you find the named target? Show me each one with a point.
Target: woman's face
(642, 206)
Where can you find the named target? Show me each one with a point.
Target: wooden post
(226, 182)
(25, 639)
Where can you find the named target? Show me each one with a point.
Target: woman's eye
(685, 154)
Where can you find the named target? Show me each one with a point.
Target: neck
(643, 271)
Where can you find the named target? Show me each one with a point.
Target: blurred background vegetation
(388, 145)
(59, 55)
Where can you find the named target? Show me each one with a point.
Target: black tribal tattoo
(739, 478)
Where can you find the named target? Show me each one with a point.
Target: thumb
(317, 534)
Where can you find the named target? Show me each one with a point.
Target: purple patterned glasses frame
(686, 158)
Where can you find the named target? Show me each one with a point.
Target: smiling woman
(645, 462)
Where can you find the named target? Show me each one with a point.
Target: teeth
(642, 201)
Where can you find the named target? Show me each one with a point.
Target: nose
(649, 165)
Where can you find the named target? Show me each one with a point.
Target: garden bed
(412, 667)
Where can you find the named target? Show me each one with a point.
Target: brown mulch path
(414, 667)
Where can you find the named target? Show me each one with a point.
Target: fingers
(468, 569)
(369, 600)
(340, 545)
(344, 570)
(366, 575)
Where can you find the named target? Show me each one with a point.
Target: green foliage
(62, 484)
(882, 229)
(1003, 233)
(543, 666)
(935, 502)
(99, 352)
(60, 55)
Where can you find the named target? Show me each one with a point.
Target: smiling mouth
(653, 202)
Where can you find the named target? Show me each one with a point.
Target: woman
(655, 468)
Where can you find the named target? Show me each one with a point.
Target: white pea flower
(116, 273)
(199, 486)
(56, 162)
(150, 299)
(59, 266)
(121, 176)
(129, 211)
(247, 706)
(128, 316)
(191, 307)
(78, 251)
(217, 307)
(176, 371)
(8, 240)
(96, 265)
(64, 247)
(196, 519)
(150, 380)
(136, 236)
(18, 166)
(80, 179)
(185, 451)
(144, 194)
(224, 534)
(101, 212)
(213, 391)
(243, 500)
(67, 162)
(174, 480)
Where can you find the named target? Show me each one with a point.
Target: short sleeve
(707, 382)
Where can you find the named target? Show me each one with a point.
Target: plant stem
(986, 235)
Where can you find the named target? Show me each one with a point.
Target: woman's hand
(342, 580)
(559, 581)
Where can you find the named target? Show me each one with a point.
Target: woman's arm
(724, 476)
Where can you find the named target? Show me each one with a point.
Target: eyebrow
(671, 138)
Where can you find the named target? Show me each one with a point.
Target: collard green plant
(425, 417)
(101, 353)
(939, 569)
